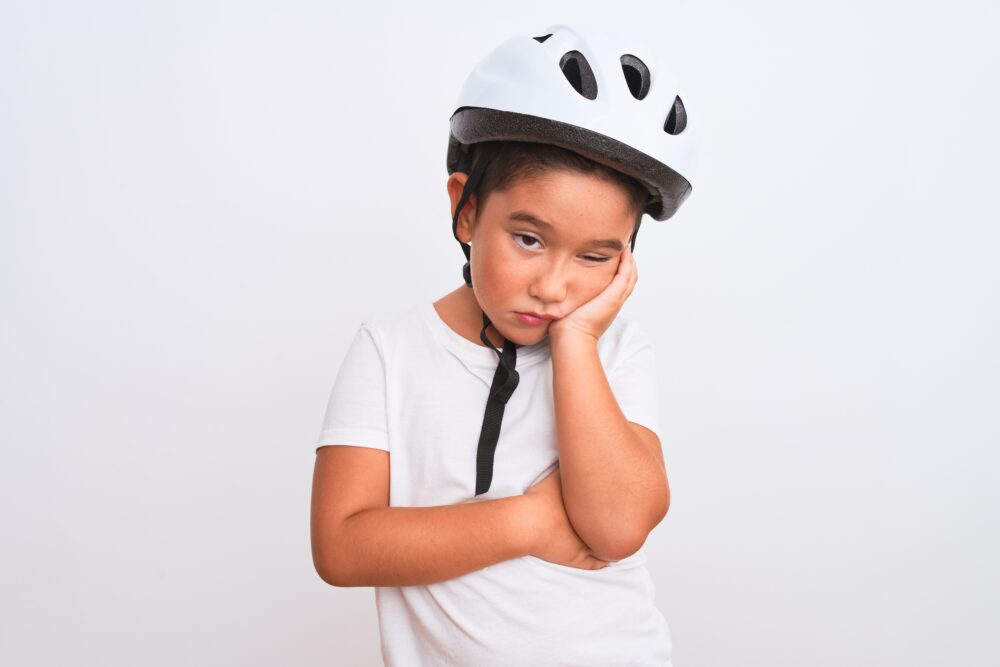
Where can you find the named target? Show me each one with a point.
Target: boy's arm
(380, 545)
(614, 481)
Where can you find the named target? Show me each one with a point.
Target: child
(498, 499)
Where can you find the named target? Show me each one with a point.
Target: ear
(467, 217)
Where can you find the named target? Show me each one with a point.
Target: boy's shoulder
(623, 331)
(623, 338)
(393, 322)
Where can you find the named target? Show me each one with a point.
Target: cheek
(597, 278)
(500, 260)
(497, 268)
(588, 289)
(591, 282)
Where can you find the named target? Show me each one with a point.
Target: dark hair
(516, 160)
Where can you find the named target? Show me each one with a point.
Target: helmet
(612, 101)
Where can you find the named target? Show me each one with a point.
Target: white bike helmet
(611, 100)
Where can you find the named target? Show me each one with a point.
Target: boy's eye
(525, 236)
(590, 258)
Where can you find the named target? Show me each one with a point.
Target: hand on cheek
(591, 319)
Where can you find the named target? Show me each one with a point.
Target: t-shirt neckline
(479, 355)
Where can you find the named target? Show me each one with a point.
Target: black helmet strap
(505, 381)
(484, 152)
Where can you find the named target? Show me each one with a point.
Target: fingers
(628, 273)
(632, 272)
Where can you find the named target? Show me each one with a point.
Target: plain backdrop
(200, 201)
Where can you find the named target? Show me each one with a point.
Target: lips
(533, 319)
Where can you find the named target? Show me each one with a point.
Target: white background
(200, 201)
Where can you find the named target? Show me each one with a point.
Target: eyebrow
(531, 219)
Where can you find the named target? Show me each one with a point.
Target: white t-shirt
(411, 385)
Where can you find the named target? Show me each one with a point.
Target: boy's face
(519, 266)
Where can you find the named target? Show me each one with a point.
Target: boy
(513, 537)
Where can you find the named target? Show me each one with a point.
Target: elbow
(333, 575)
(326, 574)
(326, 571)
(665, 507)
(618, 543)
(619, 546)
(328, 560)
(617, 535)
(661, 505)
(618, 551)
(325, 568)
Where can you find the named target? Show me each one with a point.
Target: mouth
(533, 320)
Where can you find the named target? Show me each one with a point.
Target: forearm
(409, 546)
(614, 488)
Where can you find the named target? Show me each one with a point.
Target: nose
(549, 284)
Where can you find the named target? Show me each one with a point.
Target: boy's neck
(461, 312)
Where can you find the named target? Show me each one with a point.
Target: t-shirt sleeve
(355, 411)
(633, 379)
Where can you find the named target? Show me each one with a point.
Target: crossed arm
(613, 476)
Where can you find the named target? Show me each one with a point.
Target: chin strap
(505, 381)
(506, 378)
(484, 153)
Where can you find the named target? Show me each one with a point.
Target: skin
(554, 274)
(516, 266)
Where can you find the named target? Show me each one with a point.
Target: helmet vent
(577, 71)
(676, 119)
(542, 38)
(636, 75)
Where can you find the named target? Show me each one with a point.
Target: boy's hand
(555, 539)
(595, 316)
